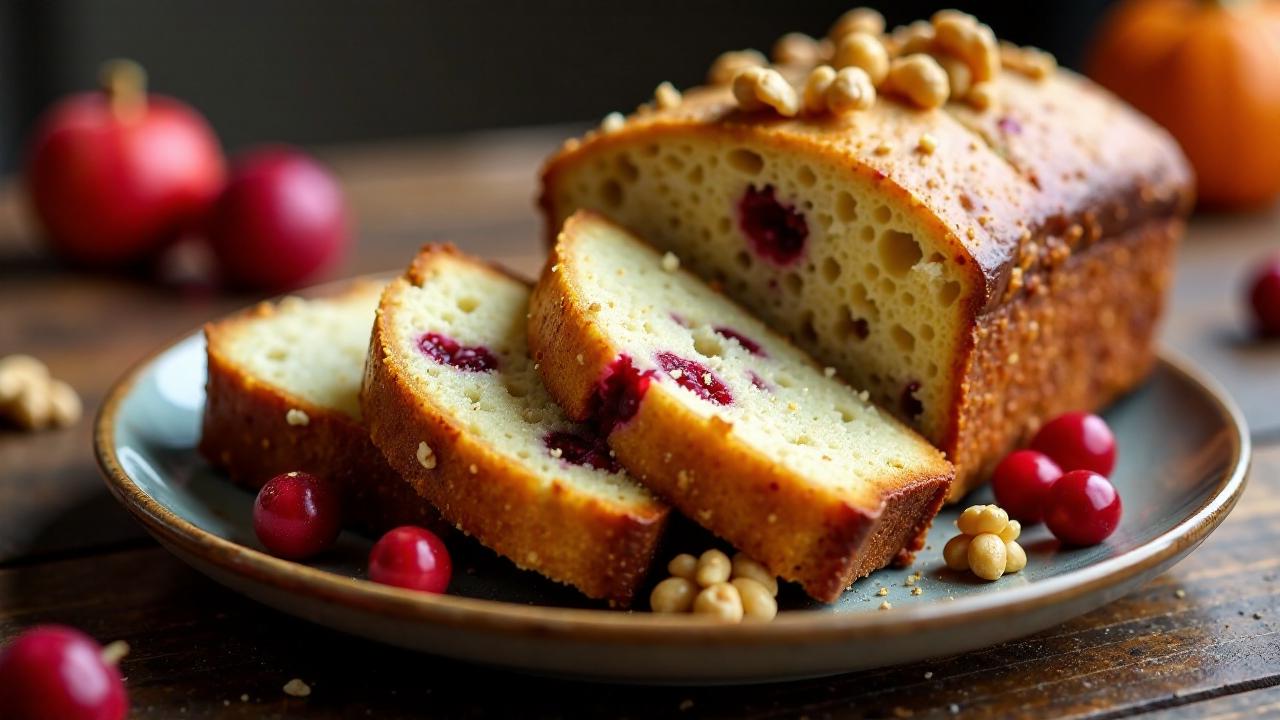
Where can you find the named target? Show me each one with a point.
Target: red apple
(116, 174)
(280, 222)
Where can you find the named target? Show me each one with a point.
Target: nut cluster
(31, 399)
(987, 543)
(713, 585)
(952, 56)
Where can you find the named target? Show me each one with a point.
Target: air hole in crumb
(745, 161)
(626, 168)
(675, 162)
(695, 175)
(847, 414)
(650, 150)
(808, 332)
(888, 286)
(849, 327)
(862, 300)
(903, 338)
(926, 332)
(883, 214)
(868, 233)
(846, 207)
(611, 193)
(937, 257)
(468, 304)
(830, 269)
(707, 345)
(908, 299)
(871, 270)
(516, 387)
(805, 177)
(933, 370)
(948, 293)
(793, 282)
(472, 393)
(744, 259)
(278, 354)
(783, 380)
(899, 252)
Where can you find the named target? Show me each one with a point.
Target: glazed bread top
(1056, 162)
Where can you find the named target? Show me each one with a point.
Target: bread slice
(724, 418)
(282, 395)
(455, 404)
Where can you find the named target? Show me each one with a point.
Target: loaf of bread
(977, 270)
(282, 395)
(453, 401)
(725, 419)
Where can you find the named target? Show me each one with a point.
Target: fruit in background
(1210, 73)
(280, 221)
(1082, 508)
(52, 672)
(1078, 441)
(1264, 297)
(411, 557)
(115, 175)
(297, 515)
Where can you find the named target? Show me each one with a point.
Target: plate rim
(608, 625)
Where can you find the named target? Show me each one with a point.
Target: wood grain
(69, 554)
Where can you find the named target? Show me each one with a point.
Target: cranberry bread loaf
(977, 270)
(456, 406)
(282, 395)
(725, 419)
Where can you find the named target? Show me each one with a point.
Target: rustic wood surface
(1201, 641)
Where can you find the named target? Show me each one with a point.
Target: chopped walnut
(797, 49)
(863, 50)
(758, 88)
(729, 64)
(920, 79)
(666, 96)
(859, 19)
(852, 89)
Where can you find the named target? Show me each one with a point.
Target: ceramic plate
(1184, 452)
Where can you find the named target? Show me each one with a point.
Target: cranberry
(1021, 481)
(747, 343)
(297, 515)
(618, 394)
(1082, 508)
(580, 450)
(1009, 125)
(411, 557)
(695, 377)
(757, 381)
(911, 405)
(1264, 295)
(775, 231)
(281, 220)
(57, 673)
(447, 351)
(1078, 441)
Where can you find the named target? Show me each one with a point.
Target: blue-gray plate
(1184, 453)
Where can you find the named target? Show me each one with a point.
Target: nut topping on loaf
(456, 407)
(725, 419)
(948, 260)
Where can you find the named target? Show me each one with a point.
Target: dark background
(318, 71)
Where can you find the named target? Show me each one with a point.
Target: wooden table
(1201, 641)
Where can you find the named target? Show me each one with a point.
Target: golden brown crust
(245, 433)
(1075, 339)
(603, 549)
(802, 533)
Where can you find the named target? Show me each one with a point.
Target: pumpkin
(1210, 73)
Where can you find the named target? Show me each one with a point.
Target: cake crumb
(886, 605)
(1179, 593)
(1257, 616)
(676, 374)
(927, 144)
(244, 697)
(580, 359)
(612, 122)
(882, 591)
(928, 675)
(296, 688)
(917, 590)
(829, 371)
(556, 453)
(297, 418)
(706, 378)
(670, 262)
(473, 469)
(426, 456)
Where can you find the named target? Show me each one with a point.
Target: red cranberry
(411, 557)
(281, 220)
(1021, 481)
(57, 673)
(1009, 125)
(1082, 508)
(775, 231)
(1265, 298)
(1078, 441)
(297, 515)
(618, 394)
(447, 351)
(579, 450)
(747, 343)
(757, 381)
(695, 377)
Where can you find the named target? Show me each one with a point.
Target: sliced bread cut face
(283, 395)
(724, 418)
(455, 404)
